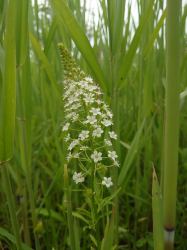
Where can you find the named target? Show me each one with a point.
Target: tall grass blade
(127, 58)
(107, 241)
(155, 34)
(8, 97)
(4, 234)
(130, 155)
(157, 214)
(66, 17)
(171, 120)
(42, 57)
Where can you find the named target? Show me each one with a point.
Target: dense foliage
(123, 58)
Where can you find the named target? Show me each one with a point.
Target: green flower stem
(171, 121)
(68, 204)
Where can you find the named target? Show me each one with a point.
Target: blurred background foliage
(125, 54)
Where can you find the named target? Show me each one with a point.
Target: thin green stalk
(171, 121)
(68, 205)
(116, 10)
(8, 95)
(11, 206)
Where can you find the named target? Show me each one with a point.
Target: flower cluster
(88, 124)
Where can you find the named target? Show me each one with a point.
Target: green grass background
(127, 60)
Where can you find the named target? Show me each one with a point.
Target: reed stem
(171, 121)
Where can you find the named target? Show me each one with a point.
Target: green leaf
(50, 36)
(42, 57)
(157, 214)
(4, 234)
(22, 30)
(107, 241)
(154, 34)
(79, 216)
(127, 58)
(8, 98)
(130, 155)
(49, 213)
(93, 239)
(66, 17)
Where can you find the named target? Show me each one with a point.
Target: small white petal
(112, 155)
(96, 156)
(78, 177)
(66, 127)
(84, 135)
(107, 181)
(108, 142)
(107, 123)
(97, 132)
(73, 144)
(113, 135)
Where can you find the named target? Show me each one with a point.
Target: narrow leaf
(8, 105)
(130, 155)
(127, 59)
(66, 17)
(157, 214)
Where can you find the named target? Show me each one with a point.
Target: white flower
(106, 107)
(75, 117)
(107, 182)
(96, 156)
(91, 88)
(108, 142)
(69, 156)
(95, 111)
(83, 135)
(116, 163)
(78, 177)
(67, 138)
(83, 84)
(65, 127)
(73, 144)
(113, 135)
(112, 155)
(75, 156)
(88, 79)
(72, 99)
(99, 102)
(75, 106)
(89, 99)
(84, 148)
(97, 132)
(71, 115)
(106, 122)
(91, 119)
(109, 114)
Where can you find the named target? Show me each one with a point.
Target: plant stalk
(68, 205)
(171, 121)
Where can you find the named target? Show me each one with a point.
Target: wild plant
(88, 139)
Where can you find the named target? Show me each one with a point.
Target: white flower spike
(88, 121)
